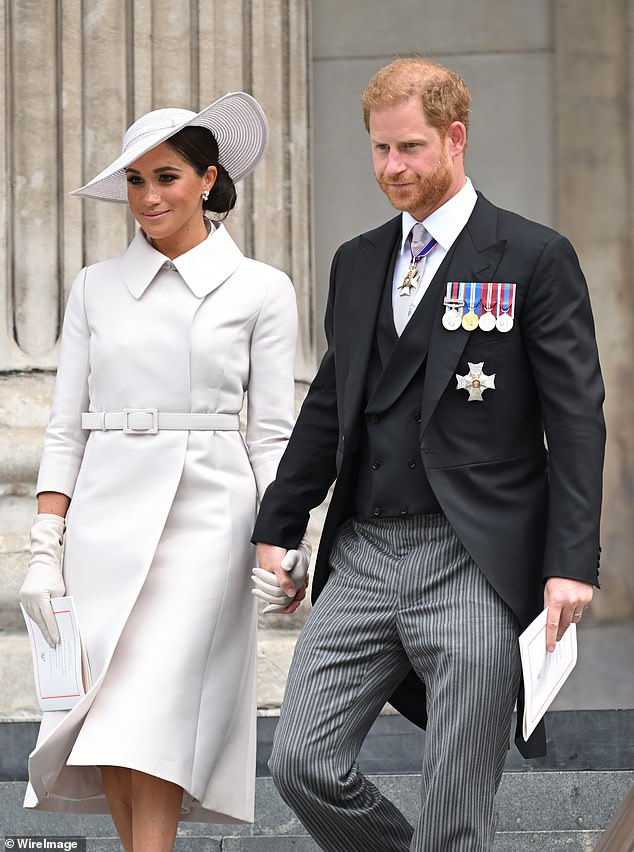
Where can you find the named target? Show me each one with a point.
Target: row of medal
(471, 305)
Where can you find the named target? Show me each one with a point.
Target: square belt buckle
(132, 428)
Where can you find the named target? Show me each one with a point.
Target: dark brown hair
(199, 148)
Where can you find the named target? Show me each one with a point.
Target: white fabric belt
(148, 421)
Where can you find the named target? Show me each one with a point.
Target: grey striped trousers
(403, 591)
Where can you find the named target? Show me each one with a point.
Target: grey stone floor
(604, 675)
(536, 811)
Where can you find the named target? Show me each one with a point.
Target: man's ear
(456, 138)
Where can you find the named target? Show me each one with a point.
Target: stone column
(595, 132)
(101, 64)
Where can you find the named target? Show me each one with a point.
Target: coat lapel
(476, 258)
(370, 272)
(411, 349)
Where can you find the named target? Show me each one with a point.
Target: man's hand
(270, 559)
(565, 600)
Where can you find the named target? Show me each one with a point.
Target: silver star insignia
(475, 382)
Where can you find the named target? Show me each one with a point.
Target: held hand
(43, 579)
(565, 600)
(282, 576)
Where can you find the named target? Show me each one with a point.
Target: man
(452, 354)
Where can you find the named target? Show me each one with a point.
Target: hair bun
(222, 195)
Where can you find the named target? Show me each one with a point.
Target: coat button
(403, 511)
(376, 512)
(411, 464)
(376, 465)
(417, 418)
(374, 418)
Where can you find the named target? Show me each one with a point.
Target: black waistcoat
(391, 477)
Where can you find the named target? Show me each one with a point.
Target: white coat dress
(157, 551)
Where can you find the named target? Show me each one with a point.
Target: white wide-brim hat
(236, 120)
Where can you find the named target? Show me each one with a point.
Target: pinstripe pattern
(401, 590)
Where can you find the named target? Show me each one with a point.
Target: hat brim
(237, 122)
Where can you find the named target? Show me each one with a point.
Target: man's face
(414, 167)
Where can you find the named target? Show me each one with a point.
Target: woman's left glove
(43, 579)
(267, 588)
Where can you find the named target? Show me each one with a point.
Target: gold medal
(470, 318)
(470, 321)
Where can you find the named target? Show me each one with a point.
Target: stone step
(536, 811)
(578, 740)
(553, 841)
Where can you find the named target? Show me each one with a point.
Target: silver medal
(451, 319)
(504, 323)
(487, 321)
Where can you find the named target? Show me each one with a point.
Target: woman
(158, 349)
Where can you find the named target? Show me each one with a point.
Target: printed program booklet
(544, 672)
(62, 674)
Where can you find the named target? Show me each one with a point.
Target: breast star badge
(475, 382)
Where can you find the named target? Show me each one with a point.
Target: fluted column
(101, 64)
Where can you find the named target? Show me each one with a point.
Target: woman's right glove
(43, 579)
(267, 588)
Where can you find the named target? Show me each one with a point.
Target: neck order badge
(419, 250)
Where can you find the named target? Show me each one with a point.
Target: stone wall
(552, 135)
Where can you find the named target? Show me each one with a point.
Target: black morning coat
(523, 512)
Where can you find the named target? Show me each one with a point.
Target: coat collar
(202, 268)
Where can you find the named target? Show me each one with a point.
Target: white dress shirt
(444, 225)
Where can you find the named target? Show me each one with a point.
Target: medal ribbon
(488, 298)
(455, 292)
(472, 297)
(424, 251)
(507, 296)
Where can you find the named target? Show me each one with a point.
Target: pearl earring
(205, 195)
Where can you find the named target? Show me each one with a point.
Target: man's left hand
(565, 600)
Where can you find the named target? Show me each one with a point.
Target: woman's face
(164, 194)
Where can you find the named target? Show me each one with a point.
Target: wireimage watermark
(32, 841)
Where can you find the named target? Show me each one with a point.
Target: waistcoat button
(417, 418)
(411, 464)
(376, 512)
(376, 465)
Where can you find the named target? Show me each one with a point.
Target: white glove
(267, 587)
(43, 579)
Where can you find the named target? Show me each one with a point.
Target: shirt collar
(445, 223)
(202, 268)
